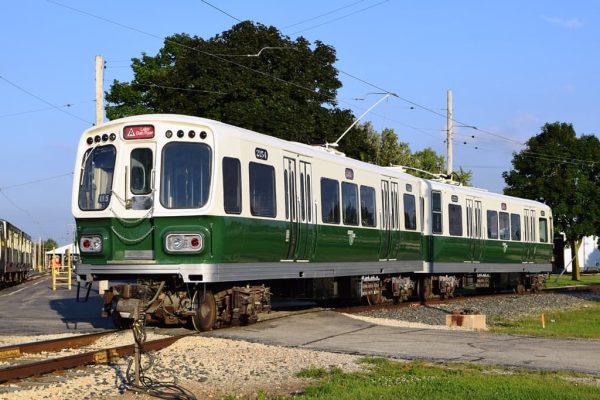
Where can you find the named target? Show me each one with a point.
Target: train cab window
(515, 227)
(232, 185)
(436, 212)
(262, 190)
(543, 226)
(410, 212)
(455, 219)
(186, 175)
(349, 203)
(330, 201)
(504, 226)
(141, 171)
(367, 206)
(95, 186)
(492, 224)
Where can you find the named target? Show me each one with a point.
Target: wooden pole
(99, 90)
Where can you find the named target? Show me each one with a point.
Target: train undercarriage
(205, 307)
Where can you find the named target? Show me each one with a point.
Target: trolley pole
(449, 135)
(99, 90)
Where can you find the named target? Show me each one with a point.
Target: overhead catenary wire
(68, 105)
(44, 100)
(323, 15)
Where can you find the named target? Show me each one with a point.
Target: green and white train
(212, 220)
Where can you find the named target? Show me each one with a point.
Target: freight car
(16, 251)
(212, 220)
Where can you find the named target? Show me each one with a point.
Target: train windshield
(96, 178)
(186, 175)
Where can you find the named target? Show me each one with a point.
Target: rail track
(21, 369)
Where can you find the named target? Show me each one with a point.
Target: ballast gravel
(505, 307)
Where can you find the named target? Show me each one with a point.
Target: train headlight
(184, 243)
(90, 244)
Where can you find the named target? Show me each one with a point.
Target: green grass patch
(576, 323)
(385, 379)
(565, 280)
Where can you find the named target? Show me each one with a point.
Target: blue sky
(512, 66)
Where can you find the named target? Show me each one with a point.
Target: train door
(389, 227)
(529, 236)
(299, 211)
(134, 238)
(474, 230)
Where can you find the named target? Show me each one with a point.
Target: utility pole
(449, 135)
(99, 90)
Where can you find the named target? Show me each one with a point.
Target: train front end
(142, 198)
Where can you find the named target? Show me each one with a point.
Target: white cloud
(572, 23)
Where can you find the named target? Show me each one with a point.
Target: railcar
(16, 251)
(211, 220)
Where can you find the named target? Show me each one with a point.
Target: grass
(565, 280)
(387, 379)
(576, 323)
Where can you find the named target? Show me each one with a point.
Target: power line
(221, 11)
(44, 109)
(35, 181)
(43, 100)
(339, 18)
(323, 15)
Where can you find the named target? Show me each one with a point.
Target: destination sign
(133, 132)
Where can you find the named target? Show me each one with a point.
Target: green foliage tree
(561, 170)
(249, 76)
(49, 244)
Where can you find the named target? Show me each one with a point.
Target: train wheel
(206, 310)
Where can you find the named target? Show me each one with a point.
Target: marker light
(105, 137)
(203, 135)
(89, 140)
(179, 133)
(90, 244)
(169, 134)
(112, 137)
(184, 243)
(191, 134)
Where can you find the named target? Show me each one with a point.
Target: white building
(588, 256)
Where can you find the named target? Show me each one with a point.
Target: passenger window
(543, 230)
(262, 190)
(515, 227)
(367, 206)
(349, 203)
(504, 226)
(455, 219)
(436, 212)
(330, 201)
(232, 185)
(492, 224)
(410, 212)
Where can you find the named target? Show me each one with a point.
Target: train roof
(313, 151)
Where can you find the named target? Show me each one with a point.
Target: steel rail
(104, 356)
(14, 351)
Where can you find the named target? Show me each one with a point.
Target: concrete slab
(331, 331)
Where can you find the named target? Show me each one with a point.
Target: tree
(249, 76)
(49, 244)
(561, 170)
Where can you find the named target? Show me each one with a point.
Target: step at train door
(299, 211)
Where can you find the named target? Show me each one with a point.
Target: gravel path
(509, 307)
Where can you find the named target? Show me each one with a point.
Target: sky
(512, 66)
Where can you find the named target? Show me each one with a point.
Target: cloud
(572, 23)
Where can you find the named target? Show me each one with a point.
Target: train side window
(543, 226)
(436, 212)
(455, 219)
(262, 190)
(330, 201)
(349, 203)
(515, 227)
(504, 226)
(232, 185)
(492, 224)
(367, 206)
(410, 212)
